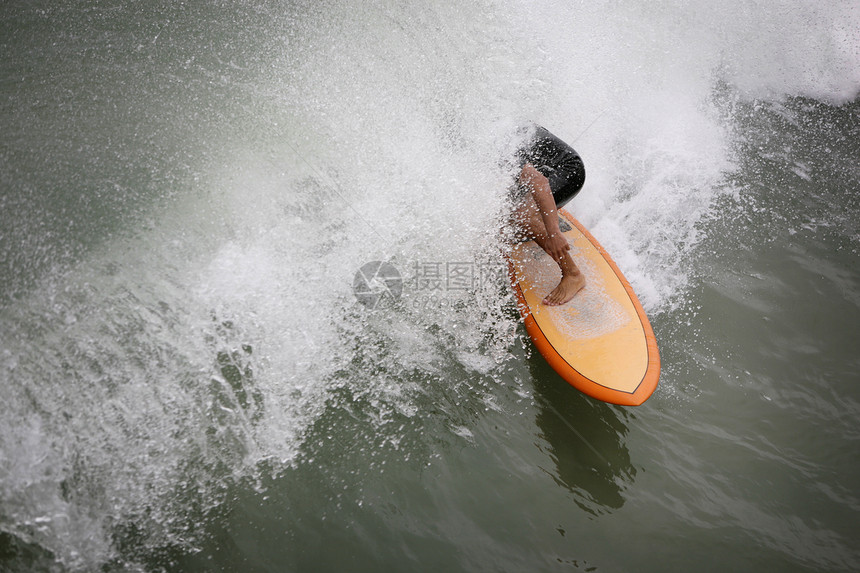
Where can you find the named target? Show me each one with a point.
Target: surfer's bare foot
(569, 286)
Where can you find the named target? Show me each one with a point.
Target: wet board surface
(601, 341)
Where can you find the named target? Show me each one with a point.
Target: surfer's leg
(528, 219)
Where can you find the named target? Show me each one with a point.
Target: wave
(187, 331)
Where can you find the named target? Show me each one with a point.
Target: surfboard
(600, 342)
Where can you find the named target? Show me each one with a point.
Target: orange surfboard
(601, 341)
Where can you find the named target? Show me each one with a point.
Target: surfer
(550, 174)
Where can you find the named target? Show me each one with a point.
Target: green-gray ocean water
(188, 383)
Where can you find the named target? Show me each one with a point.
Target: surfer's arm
(539, 187)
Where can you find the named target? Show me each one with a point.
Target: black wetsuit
(555, 160)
